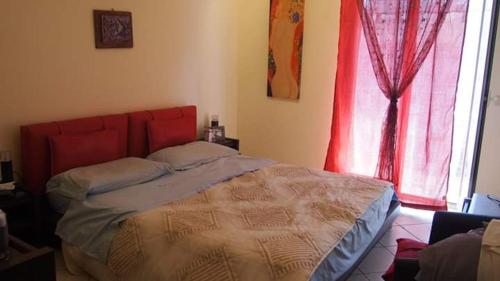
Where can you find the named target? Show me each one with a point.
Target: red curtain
(396, 83)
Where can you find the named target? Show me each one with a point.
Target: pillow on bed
(79, 182)
(165, 133)
(71, 151)
(191, 155)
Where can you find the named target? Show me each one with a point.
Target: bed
(233, 218)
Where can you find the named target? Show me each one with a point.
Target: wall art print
(286, 32)
(113, 29)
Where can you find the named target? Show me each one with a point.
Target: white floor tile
(396, 232)
(378, 260)
(357, 272)
(392, 249)
(375, 276)
(410, 216)
(357, 277)
(421, 231)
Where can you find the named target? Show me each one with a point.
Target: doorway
(469, 102)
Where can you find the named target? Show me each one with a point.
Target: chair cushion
(407, 248)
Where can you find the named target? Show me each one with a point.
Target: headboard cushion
(165, 133)
(73, 151)
(131, 127)
(138, 121)
(35, 149)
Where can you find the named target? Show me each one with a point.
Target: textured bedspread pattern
(277, 223)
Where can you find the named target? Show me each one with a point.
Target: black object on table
(229, 142)
(27, 263)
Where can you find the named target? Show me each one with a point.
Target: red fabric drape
(398, 72)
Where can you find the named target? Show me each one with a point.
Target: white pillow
(79, 182)
(191, 155)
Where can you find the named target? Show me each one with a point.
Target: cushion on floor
(407, 248)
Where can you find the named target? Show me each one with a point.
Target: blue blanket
(92, 223)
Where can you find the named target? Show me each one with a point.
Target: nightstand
(20, 209)
(229, 142)
(26, 262)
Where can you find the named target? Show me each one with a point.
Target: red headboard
(35, 149)
(138, 135)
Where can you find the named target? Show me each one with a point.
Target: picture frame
(286, 37)
(215, 134)
(113, 29)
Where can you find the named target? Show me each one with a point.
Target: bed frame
(35, 159)
(131, 127)
(36, 162)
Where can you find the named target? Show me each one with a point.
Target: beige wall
(289, 131)
(212, 53)
(489, 166)
(184, 53)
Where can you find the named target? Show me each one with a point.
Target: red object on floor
(407, 248)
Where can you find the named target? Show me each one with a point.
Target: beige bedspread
(277, 223)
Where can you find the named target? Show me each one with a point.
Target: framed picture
(113, 29)
(215, 134)
(286, 32)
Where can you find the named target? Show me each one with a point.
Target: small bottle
(215, 121)
(6, 173)
(4, 236)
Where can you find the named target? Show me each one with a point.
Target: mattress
(356, 241)
(339, 260)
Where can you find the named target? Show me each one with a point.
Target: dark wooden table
(27, 263)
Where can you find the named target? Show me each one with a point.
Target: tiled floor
(411, 223)
(414, 224)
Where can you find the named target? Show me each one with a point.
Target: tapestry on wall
(286, 29)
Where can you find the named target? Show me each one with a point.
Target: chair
(444, 225)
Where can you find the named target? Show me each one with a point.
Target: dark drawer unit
(20, 209)
(229, 142)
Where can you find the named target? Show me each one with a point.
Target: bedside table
(229, 142)
(20, 209)
(26, 262)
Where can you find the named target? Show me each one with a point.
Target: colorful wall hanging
(286, 31)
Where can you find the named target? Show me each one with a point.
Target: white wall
(289, 131)
(489, 166)
(185, 52)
